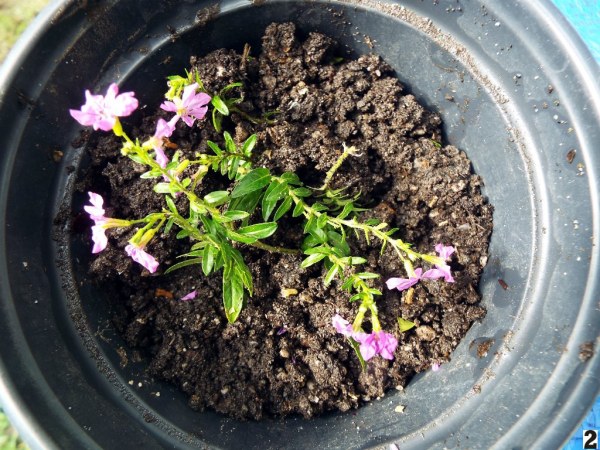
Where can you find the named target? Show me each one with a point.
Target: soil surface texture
(283, 356)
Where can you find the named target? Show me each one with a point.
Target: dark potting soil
(283, 356)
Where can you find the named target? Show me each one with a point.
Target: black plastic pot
(526, 93)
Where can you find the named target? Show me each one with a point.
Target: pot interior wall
(496, 88)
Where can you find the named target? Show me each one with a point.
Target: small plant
(249, 210)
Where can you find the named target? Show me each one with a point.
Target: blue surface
(584, 16)
(591, 422)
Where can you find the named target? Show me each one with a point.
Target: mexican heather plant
(249, 210)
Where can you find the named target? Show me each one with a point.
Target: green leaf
(298, 209)
(209, 225)
(319, 207)
(217, 198)
(283, 208)
(309, 242)
(348, 208)
(259, 230)
(319, 249)
(169, 225)
(233, 167)
(291, 178)
(357, 297)
(182, 234)
(354, 260)
(405, 325)
(322, 220)
(372, 222)
(234, 236)
(197, 208)
(162, 188)
(249, 145)
(151, 174)
(233, 215)
(215, 148)
(171, 204)
(231, 86)
(331, 274)
(220, 105)
(253, 181)
(229, 144)
(208, 259)
(356, 347)
(318, 233)
(246, 203)
(217, 118)
(271, 197)
(367, 275)
(136, 158)
(233, 295)
(244, 273)
(187, 262)
(193, 254)
(312, 259)
(302, 192)
(339, 242)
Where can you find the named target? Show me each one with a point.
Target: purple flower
(190, 106)
(190, 296)
(101, 112)
(140, 256)
(441, 270)
(341, 325)
(404, 283)
(281, 331)
(376, 343)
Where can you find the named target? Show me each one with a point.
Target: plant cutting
(223, 198)
(209, 222)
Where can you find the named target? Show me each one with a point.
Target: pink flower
(96, 211)
(95, 208)
(190, 296)
(140, 256)
(101, 112)
(341, 325)
(190, 106)
(404, 283)
(445, 251)
(435, 367)
(99, 238)
(164, 129)
(441, 270)
(376, 343)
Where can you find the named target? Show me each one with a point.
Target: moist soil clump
(283, 356)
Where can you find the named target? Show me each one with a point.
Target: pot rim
(579, 400)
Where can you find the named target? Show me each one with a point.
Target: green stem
(331, 172)
(402, 249)
(275, 249)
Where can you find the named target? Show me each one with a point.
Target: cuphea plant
(249, 210)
